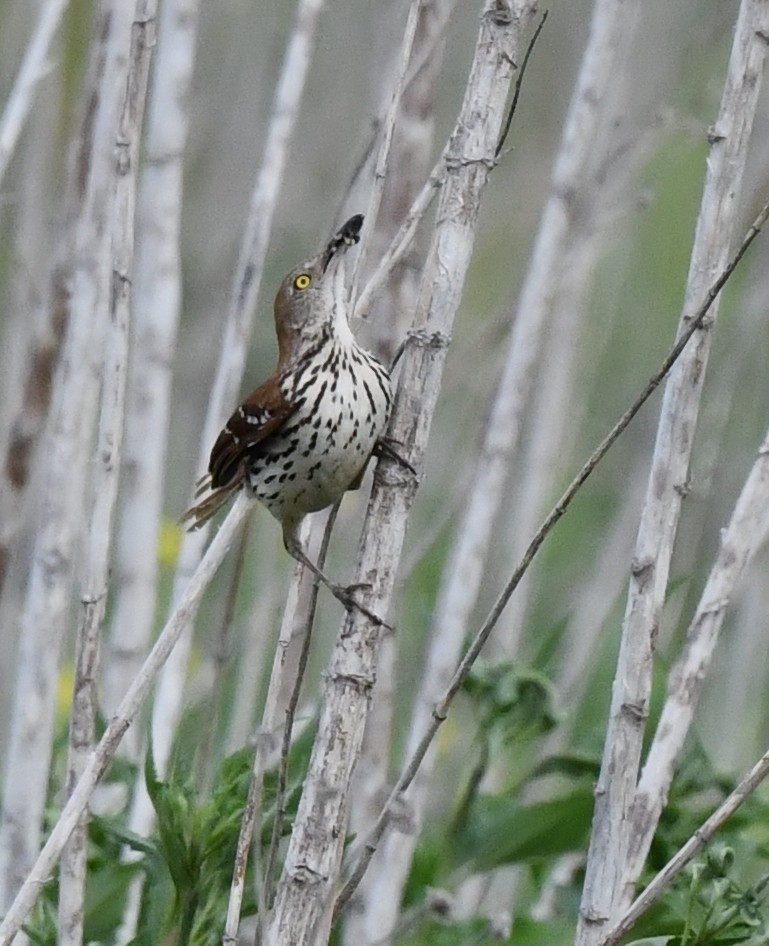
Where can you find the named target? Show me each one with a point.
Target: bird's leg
(345, 595)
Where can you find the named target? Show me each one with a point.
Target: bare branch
(33, 68)
(388, 128)
(699, 840)
(667, 482)
(71, 916)
(157, 301)
(366, 848)
(740, 541)
(296, 631)
(69, 443)
(302, 907)
(99, 760)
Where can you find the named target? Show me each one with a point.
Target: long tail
(197, 515)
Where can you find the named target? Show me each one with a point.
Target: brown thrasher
(304, 437)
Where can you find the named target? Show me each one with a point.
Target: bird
(305, 436)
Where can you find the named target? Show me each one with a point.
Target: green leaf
(501, 831)
(573, 765)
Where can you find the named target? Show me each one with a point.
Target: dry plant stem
(256, 645)
(367, 847)
(299, 616)
(157, 296)
(105, 480)
(290, 714)
(221, 658)
(33, 67)
(388, 128)
(739, 542)
(518, 85)
(698, 841)
(405, 235)
(410, 158)
(667, 484)
(157, 301)
(402, 239)
(130, 705)
(46, 610)
(168, 700)
(554, 261)
(302, 911)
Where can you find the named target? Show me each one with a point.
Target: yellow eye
(302, 281)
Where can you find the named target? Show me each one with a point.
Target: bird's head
(313, 295)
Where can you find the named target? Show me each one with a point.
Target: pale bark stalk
(740, 541)
(157, 301)
(71, 916)
(699, 840)
(168, 701)
(410, 159)
(554, 260)
(667, 484)
(302, 912)
(33, 67)
(70, 433)
(125, 714)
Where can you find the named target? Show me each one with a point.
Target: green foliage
(432, 932)
(514, 702)
(197, 846)
(712, 906)
(187, 867)
(540, 811)
(721, 898)
(107, 884)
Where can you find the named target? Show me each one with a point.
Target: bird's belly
(320, 452)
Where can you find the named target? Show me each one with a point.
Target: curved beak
(347, 235)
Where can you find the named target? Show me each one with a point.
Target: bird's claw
(346, 595)
(386, 447)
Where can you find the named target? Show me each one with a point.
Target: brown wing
(259, 416)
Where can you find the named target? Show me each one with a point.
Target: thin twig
(388, 129)
(221, 657)
(518, 84)
(250, 826)
(368, 847)
(671, 461)
(33, 68)
(402, 239)
(137, 693)
(696, 843)
(280, 797)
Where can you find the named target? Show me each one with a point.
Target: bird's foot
(346, 595)
(386, 447)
